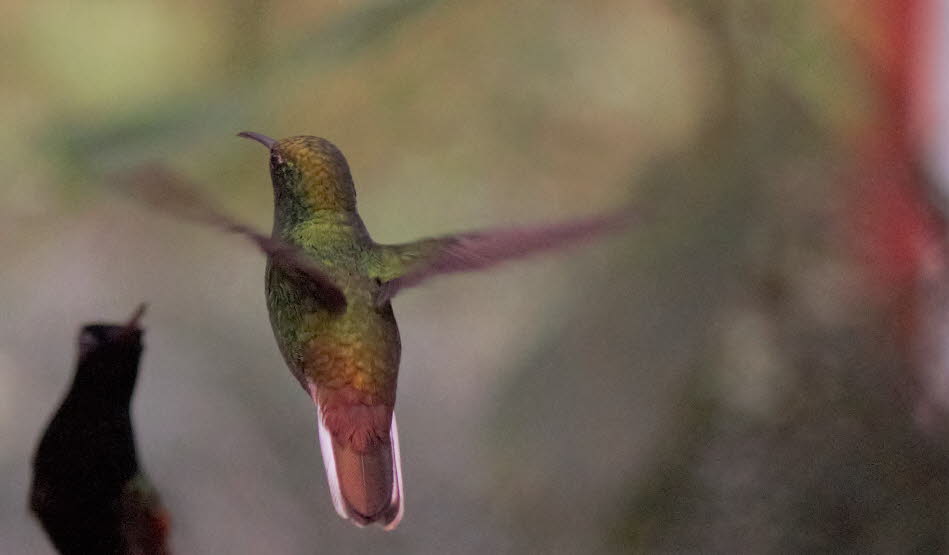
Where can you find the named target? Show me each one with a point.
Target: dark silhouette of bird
(88, 490)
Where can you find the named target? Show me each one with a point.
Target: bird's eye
(276, 159)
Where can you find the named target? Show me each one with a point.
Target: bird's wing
(144, 520)
(409, 264)
(167, 190)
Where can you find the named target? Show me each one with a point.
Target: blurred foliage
(713, 381)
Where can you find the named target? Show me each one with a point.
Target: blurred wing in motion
(166, 190)
(409, 264)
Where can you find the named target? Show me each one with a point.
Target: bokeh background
(757, 366)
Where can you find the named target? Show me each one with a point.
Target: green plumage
(339, 341)
(305, 330)
(328, 290)
(328, 287)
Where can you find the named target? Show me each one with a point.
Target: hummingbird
(88, 491)
(329, 288)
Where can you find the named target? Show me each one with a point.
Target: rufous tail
(361, 456)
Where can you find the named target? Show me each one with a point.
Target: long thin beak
(132, 323)
(262, 139)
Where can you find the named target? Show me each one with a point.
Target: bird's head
(309, 175)
(109, 353)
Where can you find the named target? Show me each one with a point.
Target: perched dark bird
(88, 490)
(328, 287)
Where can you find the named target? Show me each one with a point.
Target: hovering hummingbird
(328, 287)
(88, 491)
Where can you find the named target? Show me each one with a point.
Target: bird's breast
(357, 350)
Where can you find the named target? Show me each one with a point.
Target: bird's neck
(99, 401)
(103, 389)
(322, 227)
(300, 197)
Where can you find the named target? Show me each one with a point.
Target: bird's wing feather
(169, 191)
(406, 265)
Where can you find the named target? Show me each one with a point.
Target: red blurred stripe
(897, 230)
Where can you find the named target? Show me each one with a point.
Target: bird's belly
(358, 348)
(367, 361)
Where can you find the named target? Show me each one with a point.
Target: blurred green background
(651, 392)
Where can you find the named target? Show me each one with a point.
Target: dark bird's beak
(132, 323)
(262, 139)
